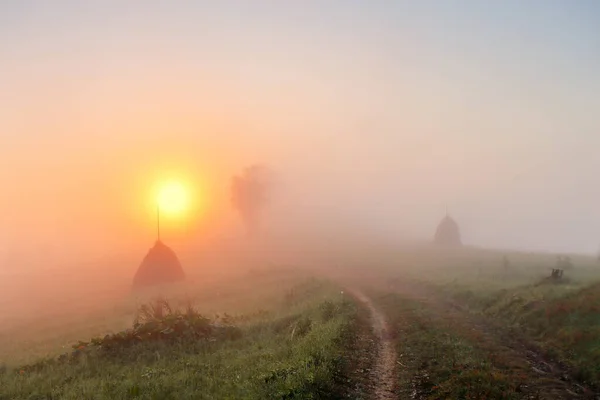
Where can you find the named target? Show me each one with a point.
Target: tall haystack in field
(160, 266)
(447, 233)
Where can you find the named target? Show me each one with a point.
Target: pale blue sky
(390, 108)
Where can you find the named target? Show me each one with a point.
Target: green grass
(563, 322)
(51, 329)
(563, 319)
(293, 351)
(438, 360)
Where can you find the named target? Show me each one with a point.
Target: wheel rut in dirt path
(383, 374)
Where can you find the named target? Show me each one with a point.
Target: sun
(172, 198)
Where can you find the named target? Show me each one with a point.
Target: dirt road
(383, 374)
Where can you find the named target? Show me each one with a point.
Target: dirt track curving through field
(383, 374)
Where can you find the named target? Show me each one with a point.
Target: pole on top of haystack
(158, 222)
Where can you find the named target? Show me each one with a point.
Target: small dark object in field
(556, 276)
(557, 273)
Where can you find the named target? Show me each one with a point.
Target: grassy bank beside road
(296, 351)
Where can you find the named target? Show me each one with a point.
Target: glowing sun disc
(172, 198)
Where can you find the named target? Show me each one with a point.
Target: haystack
(160, 266)
(447, 233)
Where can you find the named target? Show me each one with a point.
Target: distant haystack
(447, 233)
(160, 265)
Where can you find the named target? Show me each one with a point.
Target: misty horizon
(373, 116)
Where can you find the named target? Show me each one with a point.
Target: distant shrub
(154, 311)
(158, 321)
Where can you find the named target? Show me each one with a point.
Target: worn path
(383, 374)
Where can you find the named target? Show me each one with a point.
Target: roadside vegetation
(466, 323)
(443, 355)
(53, 326)
(563, 321)
(435, 361)
(515, 293)
(293, 350)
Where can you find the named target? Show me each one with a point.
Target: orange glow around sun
(173, 198)
(180, 196)
(187, 197)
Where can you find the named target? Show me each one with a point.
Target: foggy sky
(380, 113)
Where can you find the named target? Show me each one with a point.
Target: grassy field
(55, 324)
(437, 360)
(561, 318)
(293, 349)
(456, 316)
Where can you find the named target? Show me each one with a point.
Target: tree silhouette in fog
(249, 195)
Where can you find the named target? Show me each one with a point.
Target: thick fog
(373, 116)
